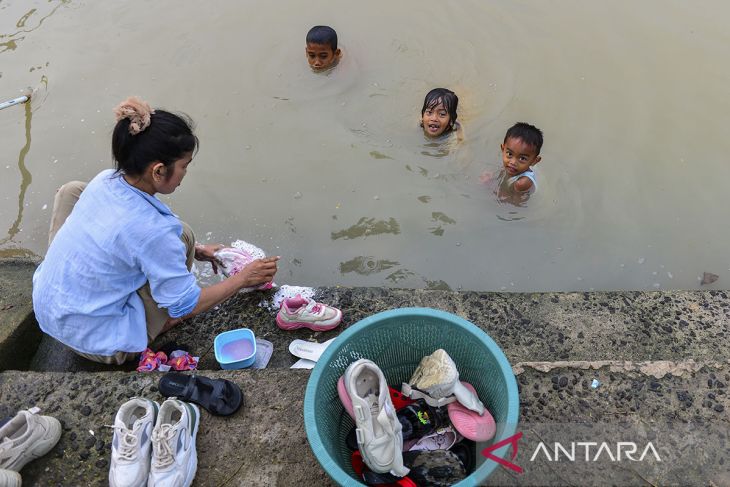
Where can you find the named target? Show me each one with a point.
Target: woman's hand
(206, 253)
(258, 272)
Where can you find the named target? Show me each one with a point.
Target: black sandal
(219, 396)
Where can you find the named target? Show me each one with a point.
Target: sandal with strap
(219, 396)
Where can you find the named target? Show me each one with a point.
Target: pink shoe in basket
(299, 312)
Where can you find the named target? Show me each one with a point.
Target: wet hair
(441, 95)
(167, 138)
(529, 134)
(324, 35)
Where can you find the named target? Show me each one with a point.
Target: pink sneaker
(299, 312)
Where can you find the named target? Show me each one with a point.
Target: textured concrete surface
(662, 359)
(265, 443)
(19, 334)
(529, 327)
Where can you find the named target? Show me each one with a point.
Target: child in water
(321, 49)
(438, 115)
(520, 151)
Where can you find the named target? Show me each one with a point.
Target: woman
(117, 271)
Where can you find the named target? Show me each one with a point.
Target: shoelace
(313, 308)
(162, 454)
(128, 442)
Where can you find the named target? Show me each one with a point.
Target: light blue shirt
(528, 174)
(116, 239)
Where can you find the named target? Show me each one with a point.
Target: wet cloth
(116, 239)
(528, 174)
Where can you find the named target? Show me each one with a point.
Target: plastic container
(396, 341)
(235, 349)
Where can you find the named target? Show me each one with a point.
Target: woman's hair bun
(137, 111)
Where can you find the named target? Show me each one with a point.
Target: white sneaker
(378, 430)
(174, 459)
(132, 443)
(26, 437)
(9, 478)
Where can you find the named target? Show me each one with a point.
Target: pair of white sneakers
(154, 445)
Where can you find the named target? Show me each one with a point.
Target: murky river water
(332, 172)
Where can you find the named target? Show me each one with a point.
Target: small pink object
(149, 360)
(181, 360)
(469, 423)
(345, 397)
(234, 260)
(301, 312)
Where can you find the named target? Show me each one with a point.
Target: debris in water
(641, 260)
(708, 278)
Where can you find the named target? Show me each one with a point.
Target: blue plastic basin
(235, 349)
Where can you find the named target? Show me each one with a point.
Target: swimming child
(321, 49)
(520, 151)
(438, 115)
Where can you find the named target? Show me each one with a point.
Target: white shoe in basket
(377, 427)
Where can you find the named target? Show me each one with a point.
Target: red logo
(513, 440)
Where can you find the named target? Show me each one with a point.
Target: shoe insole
(308, 350)
(367, 383)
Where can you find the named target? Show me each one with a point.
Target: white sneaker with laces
(132, 443)
(378, 430)
(174, 458)
(26, 437)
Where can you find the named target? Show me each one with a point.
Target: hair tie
(137, 111)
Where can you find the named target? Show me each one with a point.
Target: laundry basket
(396, 341)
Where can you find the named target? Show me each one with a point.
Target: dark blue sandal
(219, 396)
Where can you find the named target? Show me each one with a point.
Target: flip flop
(219, 396)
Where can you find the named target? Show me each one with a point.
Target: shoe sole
(295, 325)
(194, 463)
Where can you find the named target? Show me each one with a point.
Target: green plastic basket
(396, 341)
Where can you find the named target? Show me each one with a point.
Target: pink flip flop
(469, 423)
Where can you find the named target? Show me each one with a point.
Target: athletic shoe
(132, 443)
(378, 430)
(174, 459)
(299, 312)
(9, 478)
(26, 437)
(436, 380)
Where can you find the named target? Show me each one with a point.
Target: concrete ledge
(265, 443)
(634, 326)
(19, 332)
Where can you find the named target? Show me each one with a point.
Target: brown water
(331, 171)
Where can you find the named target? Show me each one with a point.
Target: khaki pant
(156, 317)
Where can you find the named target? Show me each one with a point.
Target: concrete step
(265, 442)
(636, 326)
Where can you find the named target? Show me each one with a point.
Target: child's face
(518, 156)
(436, 120)
(321, 56)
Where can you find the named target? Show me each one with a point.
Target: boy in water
(520, 151)
(321, 49)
